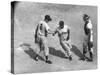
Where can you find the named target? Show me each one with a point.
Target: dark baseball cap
(61, 22)
(86, 16)
(48, 17)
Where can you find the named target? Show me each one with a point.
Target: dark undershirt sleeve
(68, 34)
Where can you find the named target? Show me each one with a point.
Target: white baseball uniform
(88, 40)
(42, 31)
(63, 34)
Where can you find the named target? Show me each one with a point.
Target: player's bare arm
(55, 32)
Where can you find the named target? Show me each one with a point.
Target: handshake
(51, 32)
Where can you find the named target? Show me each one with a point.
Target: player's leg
(84, 51)
(69, 46)
(91, 54)
(85, 47)
(90, 45)
(69, 49)
(39, 47)
(66, 48)
(37, 52)
(46, 51)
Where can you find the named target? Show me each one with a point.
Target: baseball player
(41, 33)
(88, 40)
(64, 36)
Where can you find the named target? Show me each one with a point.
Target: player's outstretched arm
(50, 32)
(55, 32)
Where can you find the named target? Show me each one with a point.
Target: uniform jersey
(42, 28)
(40, 37)
(88, 28)
(62, 33)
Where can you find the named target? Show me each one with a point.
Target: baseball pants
(43, 45)
(67, 47)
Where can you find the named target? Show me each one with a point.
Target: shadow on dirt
(52, 51)
(31, 52)
(55, 52)
(76, 51)
(58, 53)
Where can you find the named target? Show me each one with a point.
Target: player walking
(41, 33)
(64, 36)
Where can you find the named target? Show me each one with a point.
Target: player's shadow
(55, 52)
(76, 51)
(31, 52)
(58, 53)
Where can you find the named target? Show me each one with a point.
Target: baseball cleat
(66, 57)
(70, 58)
(48, 61)
(36, 58)
(90, 60)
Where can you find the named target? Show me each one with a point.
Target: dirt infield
(27, 16)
